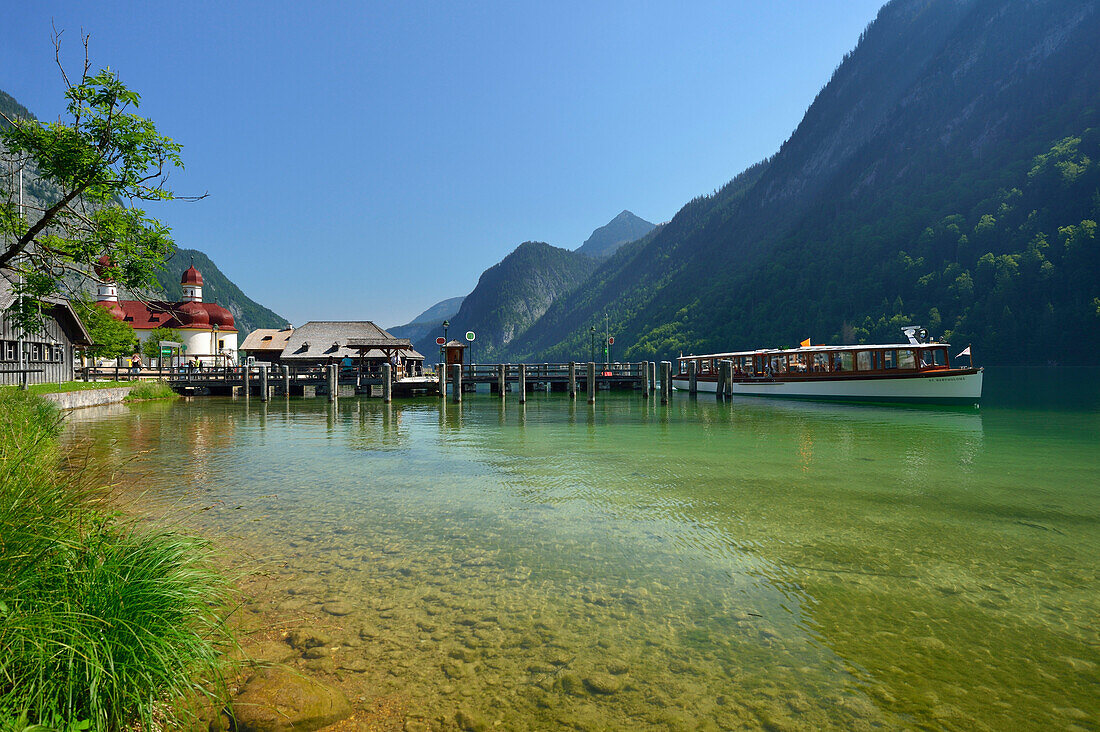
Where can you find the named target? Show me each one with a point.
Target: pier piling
(502, 380)
(645, 379)
(693, 378)
(652, 375)
(666, 381)
(572, 380)
(286, 380)
(720, 386)
(263, 383)
(523, 383)
(244, 380)
(441, 374)
(332, 383)
(456, 381)
(387, 383)
(591, 382)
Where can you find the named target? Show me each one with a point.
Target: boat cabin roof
(816, 349)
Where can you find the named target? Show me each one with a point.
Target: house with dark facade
(48, 356)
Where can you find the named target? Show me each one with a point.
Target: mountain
(247, 313)
(513, 294)
(625, 227)
(424, 328)
(947, 175)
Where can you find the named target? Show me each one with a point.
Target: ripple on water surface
(704, 565)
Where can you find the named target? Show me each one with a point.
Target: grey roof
(379, 343)
(63, 309)
(328, 339)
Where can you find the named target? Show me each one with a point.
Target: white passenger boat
(916, 371)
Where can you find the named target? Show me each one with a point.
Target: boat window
(907, 358)
(890, 359)
(821, 362)
(865, 360)
(939, 356)
(842, 361)
(779, 364)
(705, 368)
(800, 363)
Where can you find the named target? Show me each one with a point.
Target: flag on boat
(805, 343)
(964, 352)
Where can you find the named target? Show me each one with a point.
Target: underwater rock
(358, 665)
(317, 652)
(599, 683)
(303, 639)
(338, 609)
(277, 699)
(470, 721)
(571, 683)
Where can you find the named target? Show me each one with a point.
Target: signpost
(610, 343)
(470, 337)
(440, 341)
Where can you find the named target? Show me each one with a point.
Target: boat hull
(956, 387)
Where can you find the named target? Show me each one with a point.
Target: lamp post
(446, 325)
(592, 344)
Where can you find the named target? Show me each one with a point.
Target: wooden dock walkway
(334, 381)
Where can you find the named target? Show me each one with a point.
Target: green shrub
(102, 625)
(151, 390)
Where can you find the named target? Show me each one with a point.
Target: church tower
(192, 284)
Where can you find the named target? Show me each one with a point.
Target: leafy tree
(111, 338)
(151, 346)
(99, 162)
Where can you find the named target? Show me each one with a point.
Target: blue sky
(365, 160)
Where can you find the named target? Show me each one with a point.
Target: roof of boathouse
(267, 339)
(329, 339)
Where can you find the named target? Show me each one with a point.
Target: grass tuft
(146, 390)
(103, 625)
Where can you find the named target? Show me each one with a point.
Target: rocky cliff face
(606, 240)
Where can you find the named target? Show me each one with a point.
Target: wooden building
(356, 345)
(50, 355)
(266, 345)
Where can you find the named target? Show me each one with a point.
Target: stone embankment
(88, 397)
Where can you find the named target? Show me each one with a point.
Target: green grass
(67, 386)
(103, 625)
(151, 390)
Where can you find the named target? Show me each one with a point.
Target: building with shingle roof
(266, 344)
(321, 342)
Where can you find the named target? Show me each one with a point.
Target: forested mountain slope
(427, 326)
(513, 294)
(946, 175)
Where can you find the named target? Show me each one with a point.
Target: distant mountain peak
(624, 228)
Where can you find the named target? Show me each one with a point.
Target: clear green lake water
(705, 565)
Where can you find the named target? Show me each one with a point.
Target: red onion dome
(101, 266)
(112, 307)
(219, 316)
(191, 276)
(193, 315)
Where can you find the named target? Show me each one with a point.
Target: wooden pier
(334, 381)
